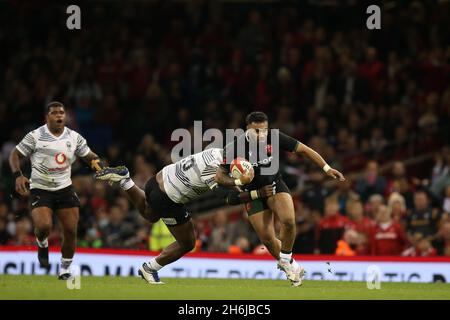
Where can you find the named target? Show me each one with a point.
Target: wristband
(326, 167)
(238, 182)
(254, 194)
(17, 174)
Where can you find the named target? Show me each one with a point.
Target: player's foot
(43, 257)
(299, 273)
(113, 174)
(65, 276)
(294, 273)
(149, 275)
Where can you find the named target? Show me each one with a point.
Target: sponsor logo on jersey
(60, 158)
(263, 161)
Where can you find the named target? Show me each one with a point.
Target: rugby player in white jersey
(52, 148)
(166, 194)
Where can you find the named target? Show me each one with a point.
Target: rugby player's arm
(93, 161)
(224, 179)
(302, 149)
(21, 182)
(235, 196)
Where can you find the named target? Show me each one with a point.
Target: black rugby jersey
(263, 156)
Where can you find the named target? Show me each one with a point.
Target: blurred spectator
(360, 223)
(397, 179)
(315, 195)
(347, 246)
(442, 239)
(422, 248)
(306, 227)
(387, 236)
(330, 229)
(373, 205)
(446, 202)
(4, 234)
(422, 219)
(23, 233)
(116, 232)
(397, 206)
(220, 236)
(371, 182)
(343, 195)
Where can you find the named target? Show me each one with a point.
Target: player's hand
(266, 191)
(22, 183)
(335, 174)
(247, 177)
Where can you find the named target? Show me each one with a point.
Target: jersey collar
(50, 133)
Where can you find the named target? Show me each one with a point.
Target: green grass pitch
(48, 287)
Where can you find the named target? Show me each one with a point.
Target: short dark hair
(54, 104)
(256, 116)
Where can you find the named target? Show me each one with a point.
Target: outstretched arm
(93, 161)
(303, 149)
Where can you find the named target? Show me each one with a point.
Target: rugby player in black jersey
(259, 145)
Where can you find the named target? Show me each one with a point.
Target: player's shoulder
(212, 156)
(70, 133)
(36, 133)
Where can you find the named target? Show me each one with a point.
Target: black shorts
(170, 212)
(59, 199)
(259, 205)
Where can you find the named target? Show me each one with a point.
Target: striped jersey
(52, 157)
(192, 176)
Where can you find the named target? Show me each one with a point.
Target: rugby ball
(239, 166)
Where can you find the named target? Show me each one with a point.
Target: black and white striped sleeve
(27, 146)
(208, 176)
(82, 148)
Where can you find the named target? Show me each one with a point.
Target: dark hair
(53, 104)
(256, 116)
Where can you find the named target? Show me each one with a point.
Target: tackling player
(52, 148)
(167, 193)
(260, 211)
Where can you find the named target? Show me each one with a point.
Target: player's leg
(184, 235)
(283, 207)
(68, 219)
(135, 194)
(42, 221)
(262, 223)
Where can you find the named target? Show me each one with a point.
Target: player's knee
(70, 234)
(288, 224)
(43, 228)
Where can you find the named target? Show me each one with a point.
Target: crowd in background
(374, 104)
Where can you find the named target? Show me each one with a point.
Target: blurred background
(374, 103)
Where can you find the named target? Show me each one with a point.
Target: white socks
(154, 265)
(43, 243)
(286, 256)
(65, 265)
(126, 184)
